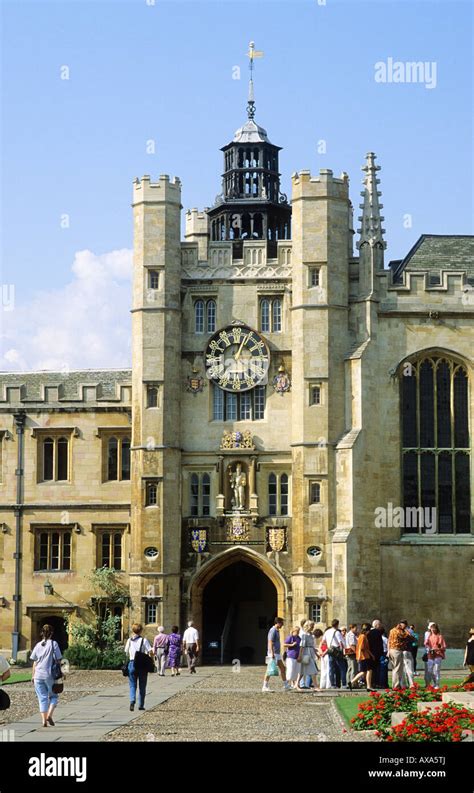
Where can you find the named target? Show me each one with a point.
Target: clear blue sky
(164, 72)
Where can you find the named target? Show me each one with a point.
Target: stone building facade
(294, 436)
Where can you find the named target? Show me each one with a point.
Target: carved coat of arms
(237, 529)
(237, 440)
(276, 539)
(195, 383)
(281, 383)
(199, 540)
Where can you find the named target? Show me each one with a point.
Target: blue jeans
(134, 678)
(337, 671)
(382, 672)
(44, 691)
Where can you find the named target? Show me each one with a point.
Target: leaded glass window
(435, 438)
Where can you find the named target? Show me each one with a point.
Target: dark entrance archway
(58, 625)
(238, 606)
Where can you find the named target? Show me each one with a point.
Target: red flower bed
(443, 725)
(376, 712)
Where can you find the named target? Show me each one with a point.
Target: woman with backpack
(46, 656)
(138, 649)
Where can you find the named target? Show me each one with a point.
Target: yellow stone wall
(85, 503)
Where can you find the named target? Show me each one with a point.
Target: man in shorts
(274, 651)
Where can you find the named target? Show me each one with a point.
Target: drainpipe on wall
(19, 419)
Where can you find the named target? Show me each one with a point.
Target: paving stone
(464, 699)
(431, 706)
(397, 717)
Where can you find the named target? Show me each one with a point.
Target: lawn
(348, 706)
(18, 677)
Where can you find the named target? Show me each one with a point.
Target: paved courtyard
(216, 704)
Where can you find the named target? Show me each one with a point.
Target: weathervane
(252, 53)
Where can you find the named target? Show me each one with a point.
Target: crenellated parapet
(165, 189)
(324, 185)
(82, 389)
(451, 290)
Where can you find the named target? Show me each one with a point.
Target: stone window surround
(278, 471)
(147, 600)
(205, 300)
(36, 529)
(314, 274)
(199, 470)
(314, 481)
(320, 266)
(100, 528)
(415, 360)
(41, 434)
(148, 385)
(317, 601)
(271, 298)
(151, 480)
(253, 393)
(312, 385)
(105, 434)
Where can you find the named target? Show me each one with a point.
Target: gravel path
(24, 701)
(231, 707)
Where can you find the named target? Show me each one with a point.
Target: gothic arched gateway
(233, 600)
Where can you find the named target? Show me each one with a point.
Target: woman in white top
(307, 654)
(4, 669)
(137, 643)
(44, 655)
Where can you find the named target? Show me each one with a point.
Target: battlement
(164, 190)
(307, 186)
(448, 289)
(88, 388)
(197, 222)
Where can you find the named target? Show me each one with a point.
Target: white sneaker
(286, 687)
(266, 689)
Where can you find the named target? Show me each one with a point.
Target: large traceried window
(435, 442)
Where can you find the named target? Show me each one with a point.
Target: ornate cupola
(251, 205)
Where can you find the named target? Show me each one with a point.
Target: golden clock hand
(237, 354)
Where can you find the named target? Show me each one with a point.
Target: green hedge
(91, 658)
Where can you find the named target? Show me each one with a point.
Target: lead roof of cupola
(251, 133)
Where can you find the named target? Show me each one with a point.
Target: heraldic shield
(276, 539)
(199, 540)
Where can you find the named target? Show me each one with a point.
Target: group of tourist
(351, 658)
(347, 657)
(167, 651)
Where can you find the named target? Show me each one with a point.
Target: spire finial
(371, 230)
(252, 53)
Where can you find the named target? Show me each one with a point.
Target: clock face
(237, 358)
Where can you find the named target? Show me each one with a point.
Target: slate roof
(438, 252)
(32, 383)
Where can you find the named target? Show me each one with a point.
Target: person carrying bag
(4, 674)
(47, 674)
(140, 663)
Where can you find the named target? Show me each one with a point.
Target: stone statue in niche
(238, 483)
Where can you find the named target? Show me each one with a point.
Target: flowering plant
(376, 712)
(442, 725)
